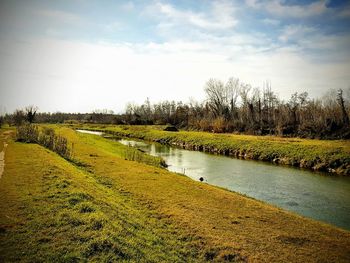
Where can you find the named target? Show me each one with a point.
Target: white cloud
(128, 6)
(314, 44)
(60, 16)
(112, 27)
(278, 8)
(196, 46)
(345, 13)
(272, 22)
(289, 71)
(296, 32)
(46, 72)
(253, 3)
(220, 17)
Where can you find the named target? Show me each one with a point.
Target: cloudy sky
(81, 55)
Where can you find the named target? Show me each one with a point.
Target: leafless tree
(18, 117)
(341, 102)
(232, 90)
(217, 96)
(1, 120)
(30, 112)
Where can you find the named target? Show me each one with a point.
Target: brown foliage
(30, 133)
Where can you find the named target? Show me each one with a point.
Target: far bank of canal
(315, 195)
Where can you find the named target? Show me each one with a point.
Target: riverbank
(288, 188)
(102, 207)
(52, 210)
(332, 156)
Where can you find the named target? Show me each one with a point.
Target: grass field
(321, 155)
(100, 207)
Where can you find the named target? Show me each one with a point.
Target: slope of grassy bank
(51, 211)
(320, 155)
(104, 208)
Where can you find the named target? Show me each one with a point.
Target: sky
(82, 55)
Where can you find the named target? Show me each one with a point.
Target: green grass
(321, 155)
(53, 211)
(128, 153)
(103, 208)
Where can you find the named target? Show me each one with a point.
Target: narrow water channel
(319, 196)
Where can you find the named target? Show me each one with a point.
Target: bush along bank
(46, 137)
(318, 155)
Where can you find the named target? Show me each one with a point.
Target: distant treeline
(229, 107)
(237, 107)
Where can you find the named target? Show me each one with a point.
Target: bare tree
(232, 91)
(1, 120)
(30, 112)
(18, 117)
(217, 96)
(245, 107)
(341, 102)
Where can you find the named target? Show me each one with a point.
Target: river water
(316, 195)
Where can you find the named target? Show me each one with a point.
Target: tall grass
(133, 154)
(46, 137)
(27, 133)
(126, 152)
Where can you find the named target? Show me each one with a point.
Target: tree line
(237, 107)
(233, 106)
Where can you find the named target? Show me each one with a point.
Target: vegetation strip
(105, 208)
(53, 211)
(229, 107)
(319, 155)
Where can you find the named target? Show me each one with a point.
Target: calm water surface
(90, 132)
(315, 195)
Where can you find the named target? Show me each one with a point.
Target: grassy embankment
(320, 155)
(107, 208)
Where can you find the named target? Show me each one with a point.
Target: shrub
(219, 125)
(28, 133)
(61, 146)
(47, 138)
(133, 154)
(205, 125)
(18, 118)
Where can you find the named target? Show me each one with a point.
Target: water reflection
(322, 197)
(90, 132)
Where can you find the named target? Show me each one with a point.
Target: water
(90, 132)
(315, 195)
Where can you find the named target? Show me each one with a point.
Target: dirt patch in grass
(2, 158)
(298, 241)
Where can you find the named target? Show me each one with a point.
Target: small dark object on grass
(201, 179)
(171, 128)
